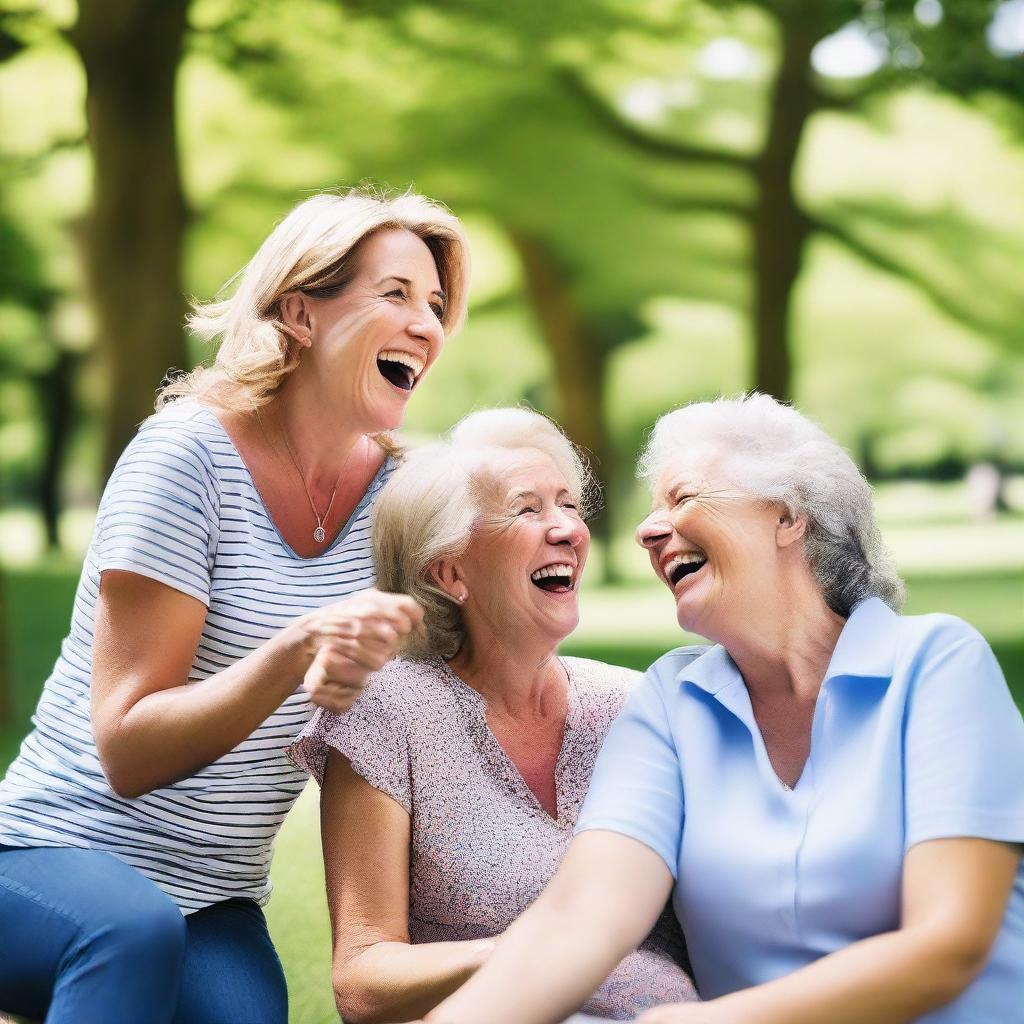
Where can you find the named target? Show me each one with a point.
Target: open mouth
(557, 578)
(400, 368)
(684, 565)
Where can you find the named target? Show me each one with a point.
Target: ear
(447, 574)
(790, 528)
(295, 318)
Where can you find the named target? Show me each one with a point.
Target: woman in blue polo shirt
(832, 794)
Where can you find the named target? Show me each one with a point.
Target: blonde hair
(771, 451)
(433, 501)
(312, 250)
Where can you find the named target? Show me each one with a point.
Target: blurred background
(667, 200)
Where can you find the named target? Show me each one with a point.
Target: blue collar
(866, 649)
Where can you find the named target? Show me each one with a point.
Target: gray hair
(775, 453)
(434, 499)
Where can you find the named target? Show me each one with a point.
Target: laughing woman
(451, 789)
(225, 588)
(834, 790)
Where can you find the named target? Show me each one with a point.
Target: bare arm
(955, 893)
(378, 975)
(600, 905)
(152, 728)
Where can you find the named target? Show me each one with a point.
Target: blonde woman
(450, 790)
(226, 590)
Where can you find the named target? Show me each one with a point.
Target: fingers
(334, 681)
(350, 639)
(351, 616)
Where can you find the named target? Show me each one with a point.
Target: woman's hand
(350, 639)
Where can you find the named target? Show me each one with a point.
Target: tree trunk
(779, 226)
(580, 364)
(5, 658)
(57, 403)
(131, 50)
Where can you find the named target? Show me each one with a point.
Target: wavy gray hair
(773, 452)
(433, 501)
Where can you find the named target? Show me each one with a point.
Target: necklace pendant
(319, 535)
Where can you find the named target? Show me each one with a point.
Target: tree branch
(673, 149)
(723, 205)
(878, 258)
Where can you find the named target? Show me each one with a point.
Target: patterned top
(182, 509)
(482, 846)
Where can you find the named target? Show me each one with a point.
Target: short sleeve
(964, 748)
(373, 734)
(637, 788)
(159, 516)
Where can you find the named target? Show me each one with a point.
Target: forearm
(396, 981)
(887, 979)
(551, 961)
(173, 733)
(603, 900)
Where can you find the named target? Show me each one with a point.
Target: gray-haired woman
(834, 790)
(451, 788)
(225, 588)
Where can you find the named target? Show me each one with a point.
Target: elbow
(122, 779)
(354, 1000)
(122, 783)
(955, 964)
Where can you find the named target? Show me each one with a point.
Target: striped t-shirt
(181, 508)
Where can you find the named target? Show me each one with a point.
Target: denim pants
(87, 939)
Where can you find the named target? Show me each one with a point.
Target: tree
(131, 50)
(951, 55)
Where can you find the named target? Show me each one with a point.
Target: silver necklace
(319, 534)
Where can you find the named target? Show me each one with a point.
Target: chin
(381, 419)
(689, 615)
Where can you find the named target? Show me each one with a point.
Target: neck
(514, 679)
(786, 640)
(322, 440)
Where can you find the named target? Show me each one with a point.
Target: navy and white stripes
(181, 508)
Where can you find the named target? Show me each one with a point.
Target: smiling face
(371, 344)
(713, 546)
(524, 562)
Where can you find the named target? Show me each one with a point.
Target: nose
(567, 528)
(425, 327)
(654, 529)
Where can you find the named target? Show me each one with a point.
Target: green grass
(629, 625)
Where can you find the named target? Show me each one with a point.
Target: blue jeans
(86, 939)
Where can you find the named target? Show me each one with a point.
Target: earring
(461, 597)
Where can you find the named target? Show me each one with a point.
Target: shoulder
(601, 677)
(602, 688)
(400, 689)
(181, 438)
(923, 638)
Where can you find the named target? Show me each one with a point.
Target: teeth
(553, 570)
(414, 362)
(687, 558)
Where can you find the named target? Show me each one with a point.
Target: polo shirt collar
(866, 649)
(867, 645)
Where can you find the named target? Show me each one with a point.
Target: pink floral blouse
(482, 847)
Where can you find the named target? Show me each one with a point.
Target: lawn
(630, 625)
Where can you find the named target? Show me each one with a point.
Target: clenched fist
(348, 640)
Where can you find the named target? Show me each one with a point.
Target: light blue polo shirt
(915, 737)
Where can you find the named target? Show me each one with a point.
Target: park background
(667, 200)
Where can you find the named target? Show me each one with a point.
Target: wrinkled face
(373, 343)
(712, 545)
(526, 557)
